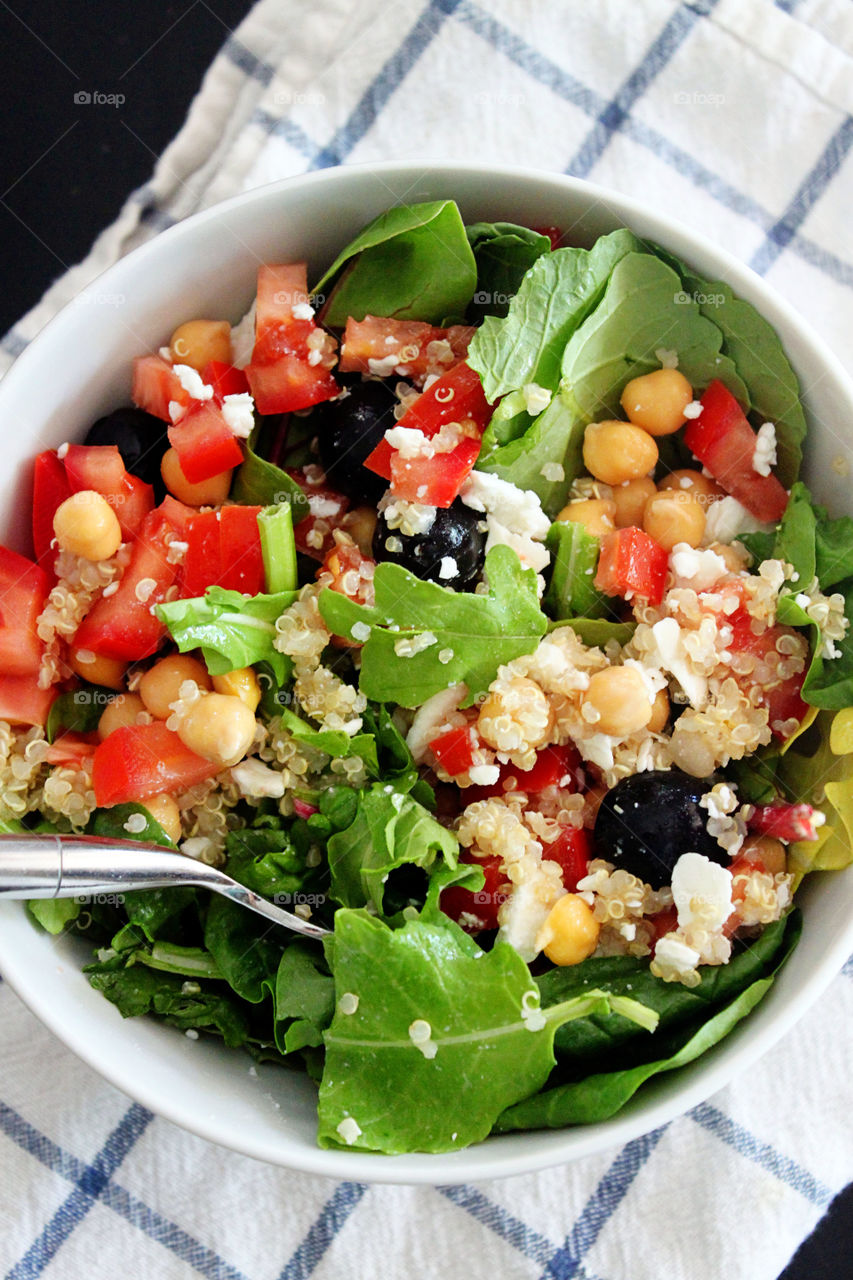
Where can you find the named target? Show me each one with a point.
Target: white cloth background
(736, 117)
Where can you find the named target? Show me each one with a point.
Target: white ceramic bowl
(80, 367)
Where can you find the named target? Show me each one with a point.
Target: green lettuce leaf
(478, 632)
(574, 557)
(558, 292)
(488, 1045)
(413, 262)
(53, 914)
(333, 742)
(390, 830)
(503, 253)
(304, 998)
(818, 769)
(232, 630)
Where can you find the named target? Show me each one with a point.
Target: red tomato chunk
(138, 761)
(631, 564)
(724, 442)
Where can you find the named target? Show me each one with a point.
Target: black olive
(648, 820)
(455, 534)
(141, 440)
(348, 430)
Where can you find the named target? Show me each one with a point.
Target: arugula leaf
(258, 483)
(556, 435)
(753, 345)
(304, 998)
(53, 914)
(557, 293)
(333, 742)
(486, 1050)
(597, 631)
(78, 711)
(412, 263)
(503, 252)
(231, 629)
(390, 830)
(574, 557)
(829, 681)
(170, 957)
(137, 990)
(265, 859)
(275, 525)
(481, 632)
(246, 948)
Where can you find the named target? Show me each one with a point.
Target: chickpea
(656, 401)
(207, 493)
(618, 451)
(597, 515)
(120, 712)
(620, 697)
(95, 668)
(570, 932)
(86, 525)
(241, 683)
(197, 342)
(735, 556)
(672, 516)
(218, 727)
(629, 499)
(660, 712)
(160, 686)
(702, 488)
(164, 809)
(764, 849)
(360, 524)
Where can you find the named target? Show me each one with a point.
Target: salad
(470, 605)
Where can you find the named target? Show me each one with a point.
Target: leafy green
(258, 483)
(333, 742)
(503, 252)
(597, 631)
(231, 629)
(412, 263)
(137, 990)
(478, 632)
(818, 769)
(389, 830)
(574, 557)
(170, 957)
(829, 681)
(53, 914)
(246, 948)
(78, 711)
(558, 292)
(488, 1047)
(304, 998)
(556, 435)
(265, 859)
(112, 824)
(275, 525)
(753, 345)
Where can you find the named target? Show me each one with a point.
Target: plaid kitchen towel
(736, 116)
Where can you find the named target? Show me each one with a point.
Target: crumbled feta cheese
(518, 510)
(674, 955)
(323, 507)
(702, 892)
(447, 568)
(238, 410)
(693, 409)
(533, 555)
(176, 411)
(764, 457)
(191, 381)
(671, 655)
(383, 367)
(302, 311)
(257, 779)
(165, 353)
(726, 519)
(536, 398)
(696, 568)
(484, 775)
(349, 1130)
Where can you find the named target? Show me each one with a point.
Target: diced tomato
(782, 698)
(100, 467)
(377, 338)
(177, 513)
(122, 625)
(555, 767)
(631, 564)
(554, 234)
(437, 480)
(155, 385)
(205, 444)
(23, 702)
(138, 761)
(457, 396)
(327, 508)
(23, 591)
(477, 909)
(281, 375)
(724, 442)
(224, 550)
(50, 489)
(454, 749)
(572, 851)
(225, 379)
(72, 749)
(787, 822)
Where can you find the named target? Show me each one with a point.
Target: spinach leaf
(833, 548)
(264, 858)
(597, 631)
(231, 629)
(574, 557)
(137, 990)
(412, 263)
(793, 540)
(112, 824)
(753, 345)
(556, 435)
(503, 253)
(475, 633)
(259, 483)
(557, 293)
(304, 998)
(246, 948)
(390, 830)
(829, 681)
(453, 1036)
(53, 914)
(78, 711)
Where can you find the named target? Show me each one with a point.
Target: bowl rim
(499, 1155)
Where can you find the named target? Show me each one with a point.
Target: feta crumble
(349, 1130)
(702, 892)
(764, 457)
(536, 398)
(693, 409)
(257, 780)
(191, 381)
(238, 410)
(448, 567)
